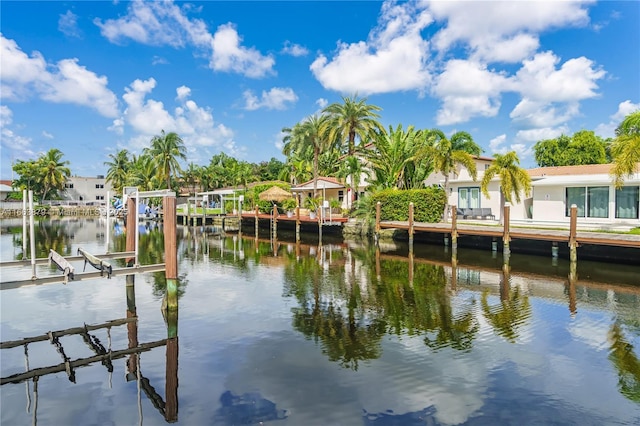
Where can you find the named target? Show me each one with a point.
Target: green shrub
(428, 204)
(289, 204)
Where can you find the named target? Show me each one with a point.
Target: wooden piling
(256, 219)
(275, 221)
(573, 245)
(454, 227)
(506, 238)
(32, 235)
(170, 252)
(171, 381)
(297, 223)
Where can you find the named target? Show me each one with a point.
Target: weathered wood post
(378, 214)
(256, 218)
(454, 227)
(297, 223)
(378, 266)
(189, 212)
(132, 327)
(506, 239)
(170, 252)
(411, 226)
(573, 226)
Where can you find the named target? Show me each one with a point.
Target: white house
(87, 190)
(328, 188)
(554, 190)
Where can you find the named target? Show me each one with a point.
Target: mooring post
(378, 214)
(573, 245)
(189, 212)
(32, 235)
(297, 223)
(411, 226)
(256, 218)
(170, 252)
(24, 224)
(171, 377)
(506, 239)
(108, 230)
(411, 266)
(454, 227)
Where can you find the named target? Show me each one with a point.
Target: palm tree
(118, 169)
(396, 160)
(626, 148)
(310, 135)
(353, 118)
(54, 172)
(447, 154)
(514, 180)
(191, 177)
(165, 151)
(352, 166)
(143, 173)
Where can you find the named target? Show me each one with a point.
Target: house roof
(323, 183)
(593, 179)
(5, 188)
(586, 169)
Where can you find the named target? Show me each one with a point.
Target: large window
(469, 198)
(627, 200)
(592, 201)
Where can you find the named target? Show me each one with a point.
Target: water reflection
(626, 363)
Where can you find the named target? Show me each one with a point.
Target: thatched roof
(275, 193)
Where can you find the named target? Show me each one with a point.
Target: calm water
(332, 334)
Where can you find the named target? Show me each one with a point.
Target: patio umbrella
(275, 193)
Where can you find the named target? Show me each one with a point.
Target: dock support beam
(454, 227)
(573, 245)
(275, 221)
(171, 252)
(506, 238)
(32, 235)
(256, 219)
(24, 224)
(297, 224)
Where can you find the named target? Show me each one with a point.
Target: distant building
(87, 190)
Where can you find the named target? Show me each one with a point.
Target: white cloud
(47, 135)
(183, 92)
(498, 145)
(68, 24)
(503, 31)
(19, 145)
(467, 89)
(159, 60)
(541, 114)
(394, 58)
(276, 98)
(497, 142)
(294, 49)
(23, 76)
(608, 130)
(229, 55)
(575, 80)
(535, 135)
(322, 103)
(278, 140)
(194, 124)
(165, 23)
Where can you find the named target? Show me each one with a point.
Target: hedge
(428, 204)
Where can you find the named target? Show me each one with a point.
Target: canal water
(332, 333)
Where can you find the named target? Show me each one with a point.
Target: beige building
(87, 190)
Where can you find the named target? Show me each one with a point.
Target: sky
(91, 78)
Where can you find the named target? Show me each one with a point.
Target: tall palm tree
(396, 160)
(625, 149)
(54, 171)
(143, 173)
(514, 180)
(166, 149)
(447, 154)
(311, 135)
(351, 119)
(118, 169)
(191, 177)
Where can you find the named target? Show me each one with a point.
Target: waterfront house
(328, 188)
(554, 190)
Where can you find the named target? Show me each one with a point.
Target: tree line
(346, 141)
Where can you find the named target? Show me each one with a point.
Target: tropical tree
(625, 149)
(166, 150)
(351, 119)
(28, 176)
(143, 173)
(118, 169)
(514, 180)
(584, 147)
(397, 158)
(191, 177)
(53, 171)
(352, 166)
(447, 154)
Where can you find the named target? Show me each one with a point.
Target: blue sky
(90, 78)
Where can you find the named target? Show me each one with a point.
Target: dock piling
(454, 227)
(378, 213)
(411, 225)
(506, 238)
(297, 224)
(573, 245)
(171, 252)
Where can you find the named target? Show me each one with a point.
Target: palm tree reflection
(626, 363)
